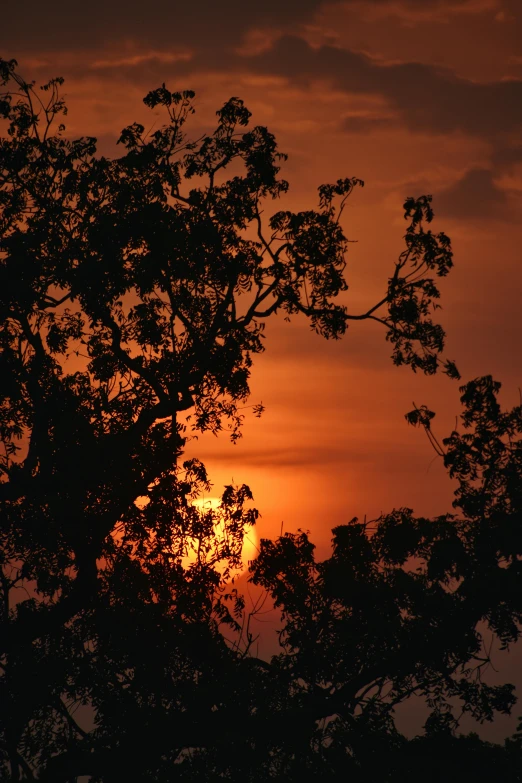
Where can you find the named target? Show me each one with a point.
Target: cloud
(304, 455)
(139, 59)
(508, 154)
(427, 98)
(423, 97)
(299, 456)
(236, 38)
(63, 25)
(367, 123)
(411, 13)
(474, 195)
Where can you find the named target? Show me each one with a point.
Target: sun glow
(250, 547)
(249, 551)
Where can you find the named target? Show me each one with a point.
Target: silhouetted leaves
(133, 297)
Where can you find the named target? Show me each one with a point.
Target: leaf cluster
(134, 294)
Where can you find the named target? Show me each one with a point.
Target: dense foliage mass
(133, 296)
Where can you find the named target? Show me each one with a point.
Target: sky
(413, 98)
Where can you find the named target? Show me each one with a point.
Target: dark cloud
(302, 456)
(368, 124)
(475, 195)
(310, 456)
(427, 98)
(63, 25)
(507, 154)
(423, 97)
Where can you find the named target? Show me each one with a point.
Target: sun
(250, 548)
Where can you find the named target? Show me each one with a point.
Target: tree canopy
(133, 297)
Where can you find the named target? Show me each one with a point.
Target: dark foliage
(133, 296)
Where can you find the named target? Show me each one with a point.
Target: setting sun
(305, 210)
(250, 541)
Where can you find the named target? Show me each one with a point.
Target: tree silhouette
(133, 296)
(404, 605)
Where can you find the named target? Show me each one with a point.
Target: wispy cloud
(139, 59)
(413, 13)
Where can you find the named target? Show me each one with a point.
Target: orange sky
(413, 97)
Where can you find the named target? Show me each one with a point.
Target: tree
(405, 606)
(133, 296)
